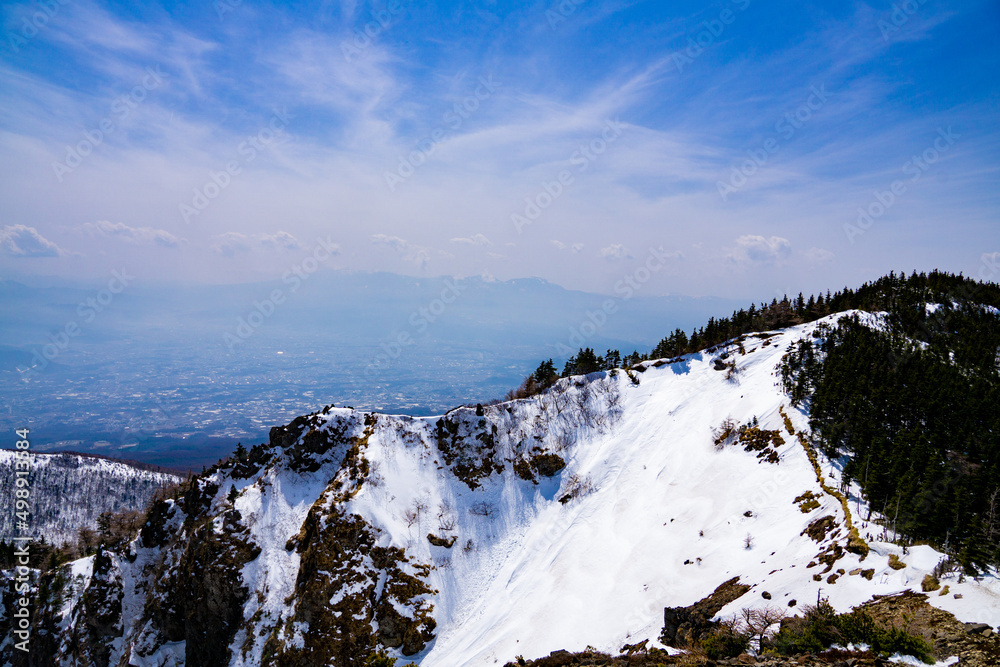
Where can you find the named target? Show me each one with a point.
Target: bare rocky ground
(975, 645)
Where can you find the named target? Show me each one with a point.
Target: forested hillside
(893, 293)
(915, 406)
(70, 491)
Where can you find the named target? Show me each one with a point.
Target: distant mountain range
(366, 308)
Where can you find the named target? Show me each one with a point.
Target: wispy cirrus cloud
(474, 240)
(353, 120)
(134, 235)
(231, 244)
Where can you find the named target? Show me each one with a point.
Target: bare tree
(992, 518)
(547, 406)
(577, 487)
(725, 434)
(483, 509)
(446, 517)
(86, 540)
(375, 477)
(564, 439)
(414, 511)
(945, 567)
(613, 393)
(118, 528)
(759, 620)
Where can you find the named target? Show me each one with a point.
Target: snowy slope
(601, 570)
(542, 575)
(647, 513)
(69, 491)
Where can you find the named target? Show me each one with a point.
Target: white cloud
(394, 242)
(411, 253)
(477, 239)
(135, 235)
(615, 251)
(24, 241)
(230, 243)
(658, 178)
(418, 256)
(280, 240)
(760, 250)
(819, 255)
(575, 248)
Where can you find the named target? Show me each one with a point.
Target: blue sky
(760, 147)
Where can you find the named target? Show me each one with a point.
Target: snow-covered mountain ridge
(69, 491)
(568, 519)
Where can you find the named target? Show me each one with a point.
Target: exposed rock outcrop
(685, 626)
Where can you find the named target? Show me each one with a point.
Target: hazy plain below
(176, 375)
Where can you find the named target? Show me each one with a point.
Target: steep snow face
(667, 518)
(568, 519)
(654, 513)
